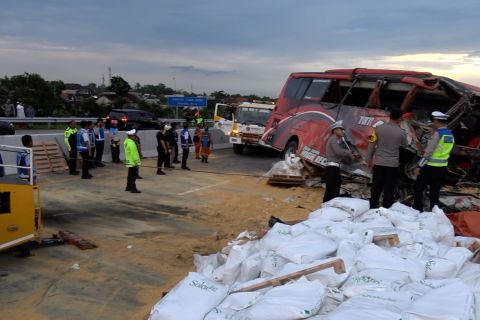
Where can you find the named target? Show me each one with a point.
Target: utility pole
(110, 75)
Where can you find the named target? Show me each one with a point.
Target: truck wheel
(238, 148)
(291, 148)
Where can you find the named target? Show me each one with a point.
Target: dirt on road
(146, 241)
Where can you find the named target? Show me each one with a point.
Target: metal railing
(53, 120)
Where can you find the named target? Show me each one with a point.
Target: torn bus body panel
(362, 98)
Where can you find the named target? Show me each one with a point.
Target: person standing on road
(383, 154)
(139, 149)
(168, 155)
(207, 144)
(23, 159)
(20, 110)
(70, 138)
(99, 142)
(85, 149)
(91, 137)
(8, 109)
(197, 137)
(114, 142)
(432, 168)
(132, 161)
(161, 149)
(336, 153)
(172, 138)
(186, 141)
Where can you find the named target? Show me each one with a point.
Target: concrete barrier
(148, 139)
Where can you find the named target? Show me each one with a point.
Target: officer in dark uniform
(433, 166)
(70, 138)
(336, 154)
(384, 154)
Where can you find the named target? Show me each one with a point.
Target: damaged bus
(309, 102)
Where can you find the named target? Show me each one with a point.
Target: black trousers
(186, 151)
(384, 180)
(72, 160)
(175, 153)
(334, 181)
(115, 150)
(85, 163)
(167, 159)
(161, 158)
(91, 163)
(99, 145)
(432, 177)
(131, 179)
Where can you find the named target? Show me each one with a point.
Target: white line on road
(202, 188)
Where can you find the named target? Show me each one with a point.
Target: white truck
(249, 124)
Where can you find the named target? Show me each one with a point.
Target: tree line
(45, 97)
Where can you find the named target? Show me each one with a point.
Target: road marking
(202, 188)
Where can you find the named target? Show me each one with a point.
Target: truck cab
(249, 124)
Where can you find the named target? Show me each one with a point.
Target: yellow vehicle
(20, 211)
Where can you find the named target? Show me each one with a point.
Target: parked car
(6, 128)
(132, 119)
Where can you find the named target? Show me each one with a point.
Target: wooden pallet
(393, 239)
(48, 157)
(278, 179)
(338, 266)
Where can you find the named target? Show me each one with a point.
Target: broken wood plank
(278, 179)
(338, 266)
(393, 239)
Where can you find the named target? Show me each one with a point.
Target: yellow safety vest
(444, 147)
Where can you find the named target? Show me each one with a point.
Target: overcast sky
(248, 46)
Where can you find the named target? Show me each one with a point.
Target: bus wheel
(238, 148)
(291, 148)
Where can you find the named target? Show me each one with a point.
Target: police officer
(186, 141)
(336, 153)
(433, 166)
(384, 153)
(70, 138)
(132, 161)
(85, 149)
(99, 142)
(91, 137)
(172, 137)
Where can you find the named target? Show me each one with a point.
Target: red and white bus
(311, 101)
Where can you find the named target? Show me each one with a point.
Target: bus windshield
(253, 116)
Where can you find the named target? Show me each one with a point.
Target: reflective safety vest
(444, 147)
(70, 136)
(82, 144)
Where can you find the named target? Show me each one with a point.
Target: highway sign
(199, 102)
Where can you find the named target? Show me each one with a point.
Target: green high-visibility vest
(444, 147)
(132, 157)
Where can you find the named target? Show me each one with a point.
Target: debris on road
(387, 264)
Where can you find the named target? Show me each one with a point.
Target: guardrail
(54, 120)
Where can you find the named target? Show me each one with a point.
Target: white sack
(207, 264)
(374, 257)
(355, 207)
(374, 280)
(453, 301)
(330, 213)
(229, 307)
(297, 300)
(372, 305)
(306, 248)
(191, 299)
(237, 255)
(439, 268)
(277, 235)
(251, 268)
(271, 263)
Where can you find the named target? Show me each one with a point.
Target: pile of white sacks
(427, 276)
